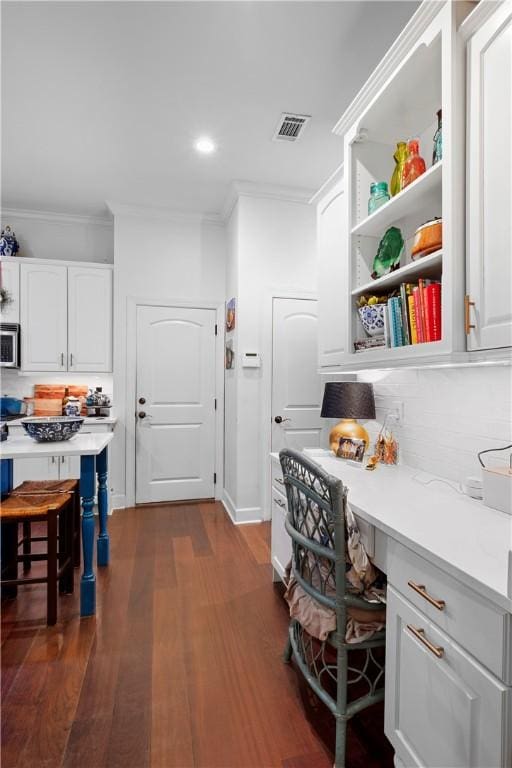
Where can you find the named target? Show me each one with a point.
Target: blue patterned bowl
(372, 318)
(51, 429)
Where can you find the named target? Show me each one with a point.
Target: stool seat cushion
(45, 486)
(34, 505)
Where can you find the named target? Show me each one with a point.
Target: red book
(427, 311)
(418, 312)
(423, 310)
(433, 307)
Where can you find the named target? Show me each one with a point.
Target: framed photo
(229, 356)
(230, 315)
(351, 448)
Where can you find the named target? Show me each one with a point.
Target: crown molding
(154, 213)
(239, 189)
(427, 11)
(336, 176)
(478, 16)
(55, 218)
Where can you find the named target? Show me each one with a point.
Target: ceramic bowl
(51, 429)
(372, 318)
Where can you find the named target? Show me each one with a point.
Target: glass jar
(400, 157)
(414, 165)
(437, 152)
(378, 195)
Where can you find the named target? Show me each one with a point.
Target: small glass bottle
(378, 195)
(400, 157)
(437, 152)
(414, 165)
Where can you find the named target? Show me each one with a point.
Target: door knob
(142, 400)
(279, 419)
(142, 414)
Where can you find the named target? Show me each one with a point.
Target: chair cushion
(33, 505)
(45, 486)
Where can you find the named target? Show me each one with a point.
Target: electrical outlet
(397, 410)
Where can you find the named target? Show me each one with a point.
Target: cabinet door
(11, 281)
(332, 278)
(446, 711)
(44, 339)
(42, 468)
(489, 182)
(281, 546)
(69, 467)
(90, 319)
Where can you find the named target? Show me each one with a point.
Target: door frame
(266, 382)
(133, 303)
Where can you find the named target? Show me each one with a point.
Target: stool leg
(27, 544)
(76, 542)
(63, 540)
(10, 557)
(51, 595)
(68, 581)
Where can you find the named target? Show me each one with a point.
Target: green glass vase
(400, 157)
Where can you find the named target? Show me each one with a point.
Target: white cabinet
(43, 317)
(66, 317)
(11, 281)
(332, 277)
(489, 198)
(442, 707)
(89, 319)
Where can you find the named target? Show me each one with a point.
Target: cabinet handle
(62, 359)
(278, 480)
(279, 502)
(70, 359)
(467, 304)
(62, 459)
(419, 634)
(53, 459)
(421, 590)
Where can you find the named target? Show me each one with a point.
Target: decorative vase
(414, 165)
(400, 157)
(8, 243)
(437, 152)
(378, 196)
(390, 251)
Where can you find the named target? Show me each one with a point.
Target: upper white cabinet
(66, 317)
(43, 317)
(332, 277)
(489, 198)
(11, 281)
(89, 319)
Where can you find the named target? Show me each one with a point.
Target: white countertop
(87, 420)
(81, 444)
(461, 535)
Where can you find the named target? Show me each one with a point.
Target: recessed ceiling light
(205, 145)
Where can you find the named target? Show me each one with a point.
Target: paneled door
(296, 388)
(175, 432)
(89, 319)
(44, 317)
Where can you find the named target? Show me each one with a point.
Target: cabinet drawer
(476, 624)
(281, 543)
(440, 711)
(277, 477)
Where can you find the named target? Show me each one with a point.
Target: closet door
(489, 183)
(44, 336)
(90, 319)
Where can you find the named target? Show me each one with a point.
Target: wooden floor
(180, 667)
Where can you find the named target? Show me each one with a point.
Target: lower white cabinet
(281, 541)
(442, 708)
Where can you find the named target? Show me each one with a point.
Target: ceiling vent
(290, 127)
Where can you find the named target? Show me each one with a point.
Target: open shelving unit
(428, 266)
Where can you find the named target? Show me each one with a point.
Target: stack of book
(414, 317)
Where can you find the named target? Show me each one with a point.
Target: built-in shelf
(404, 204)
(428, 266)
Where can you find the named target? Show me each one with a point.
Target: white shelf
(404, 204)
(424, 267)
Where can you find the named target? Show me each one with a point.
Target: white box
(498, 488)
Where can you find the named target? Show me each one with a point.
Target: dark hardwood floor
(181, 667)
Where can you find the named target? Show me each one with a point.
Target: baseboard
(117, 502)
(242, 515)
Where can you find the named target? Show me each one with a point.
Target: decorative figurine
(400, 157)
(390, 251)
(8, 243)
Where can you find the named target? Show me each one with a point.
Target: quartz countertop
(24, 447)
(426, 513)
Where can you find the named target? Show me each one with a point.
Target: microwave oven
(10, 345)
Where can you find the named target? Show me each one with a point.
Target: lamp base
(347, 428)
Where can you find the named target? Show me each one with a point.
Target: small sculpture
(390, 251)
(8, 243)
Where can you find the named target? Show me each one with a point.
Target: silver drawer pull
(421, 590)
(278, 480)
(419, 634)
(279, 502)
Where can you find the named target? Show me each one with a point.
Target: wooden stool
(51, 508)
(31, 487)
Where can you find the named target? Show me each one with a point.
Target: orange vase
(414, 165)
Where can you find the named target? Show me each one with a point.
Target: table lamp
(348, 401)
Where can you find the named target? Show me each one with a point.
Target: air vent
(290, 127)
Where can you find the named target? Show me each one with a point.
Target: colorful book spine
(397, 321)
(418, 314)
(405, 313)
(433, 311)
(423, 312)
(412, 318)
(387, 339)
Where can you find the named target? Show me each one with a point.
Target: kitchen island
(93, 452)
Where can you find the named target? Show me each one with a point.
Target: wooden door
(489, 213)
(90, 319)
(296, 387)
(175, 434)
(44, 334)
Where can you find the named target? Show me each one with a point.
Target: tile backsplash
(449, 414)
(21, 385)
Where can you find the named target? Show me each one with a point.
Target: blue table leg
(103, 544)
(7, 476)
(88, 581)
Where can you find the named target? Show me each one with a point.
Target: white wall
(44, 235)
(164, 259)
(271, 252)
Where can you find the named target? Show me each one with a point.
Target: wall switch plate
(251, 360)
